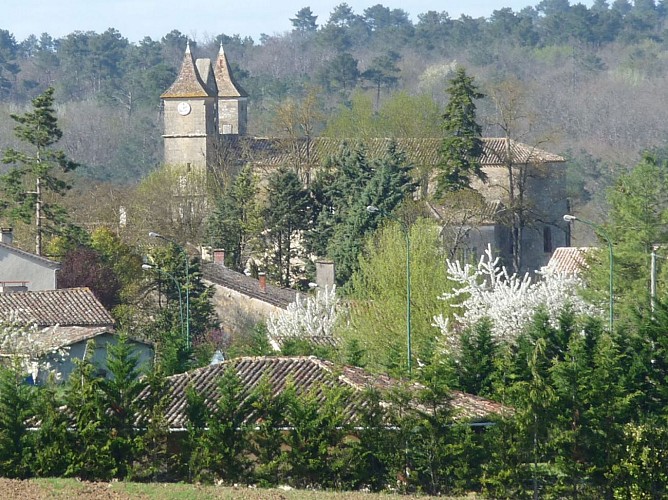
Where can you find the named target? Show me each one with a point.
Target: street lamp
(373, 209)
(153, 234)
(148, 267)
(571, 218)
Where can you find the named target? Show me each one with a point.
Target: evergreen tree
(267, 438)
(16, 406)
(121, 390)
(462, 145)
(34, 173)
(89, 457)
(236, 219)
(286, 214)
(52, 440)
(154, 461)
(226, 443)
(476, 364)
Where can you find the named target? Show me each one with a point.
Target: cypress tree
(462, 145)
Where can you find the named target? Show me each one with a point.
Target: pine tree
(226, 442)
(475, 367)
(89, 457)
(24, 186)
(287, 213)
(462, 145)
(16, 406)
(52, 440)
(121, 390)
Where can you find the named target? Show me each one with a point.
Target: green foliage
(120, 391)
(378, 295)
(317, 450)
(475, 367)
(34, 172)
(637, 221)
(16, 405)
(52, 439)
(226, 443)
(89, 456)
(343, 193)
(236, 222)
(174, 280)
(287, 212)
(462, 144)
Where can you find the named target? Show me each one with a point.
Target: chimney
(324, 274)
(262, 280)
(219, 256)
(6, 235)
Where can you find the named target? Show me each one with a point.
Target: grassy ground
(42, 489)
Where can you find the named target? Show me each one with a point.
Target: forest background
(591, 83)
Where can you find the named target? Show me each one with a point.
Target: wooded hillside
(589, 83)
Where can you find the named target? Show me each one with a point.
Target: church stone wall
(232, 115)
(188, 138)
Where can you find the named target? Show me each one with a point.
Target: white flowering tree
(509, 301)
(24, 344)
(314, 316)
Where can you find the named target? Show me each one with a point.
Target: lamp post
(153, 234)
(571, 218)
(373, 209)
(148, 267)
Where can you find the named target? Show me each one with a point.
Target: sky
(203, 20)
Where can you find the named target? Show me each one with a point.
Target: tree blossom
(25, 342)
(314, 316)
(509, 301)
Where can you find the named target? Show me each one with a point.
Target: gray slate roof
(64, 307)
(305, 373)
(239, 282)
(188, 83)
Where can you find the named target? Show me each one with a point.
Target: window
(547, 239)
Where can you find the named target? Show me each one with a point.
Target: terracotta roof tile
(419, 151)
(306, 373)
(188, 84)
(227, 86)
(239, 282)
(568, 260)
(64, 307)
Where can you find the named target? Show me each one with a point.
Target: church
(200, 107)
(206, 116)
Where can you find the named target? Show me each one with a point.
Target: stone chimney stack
(219, 256)
(6, 235)
(324, 274)
(262, 280)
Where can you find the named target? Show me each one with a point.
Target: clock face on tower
(183, 108)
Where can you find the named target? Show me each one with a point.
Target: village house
(21, 270)
(56, 327)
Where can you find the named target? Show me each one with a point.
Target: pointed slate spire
(188, 83)
(227, 86)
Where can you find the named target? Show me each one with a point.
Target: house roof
(419, 151)
(49, 339)
(239, 282)
(31, 256)
(568, 260)
(305, 373)
(188, 83)
(227, 86)
(64, 307)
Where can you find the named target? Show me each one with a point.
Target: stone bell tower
(202, 106)
(190, 115)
